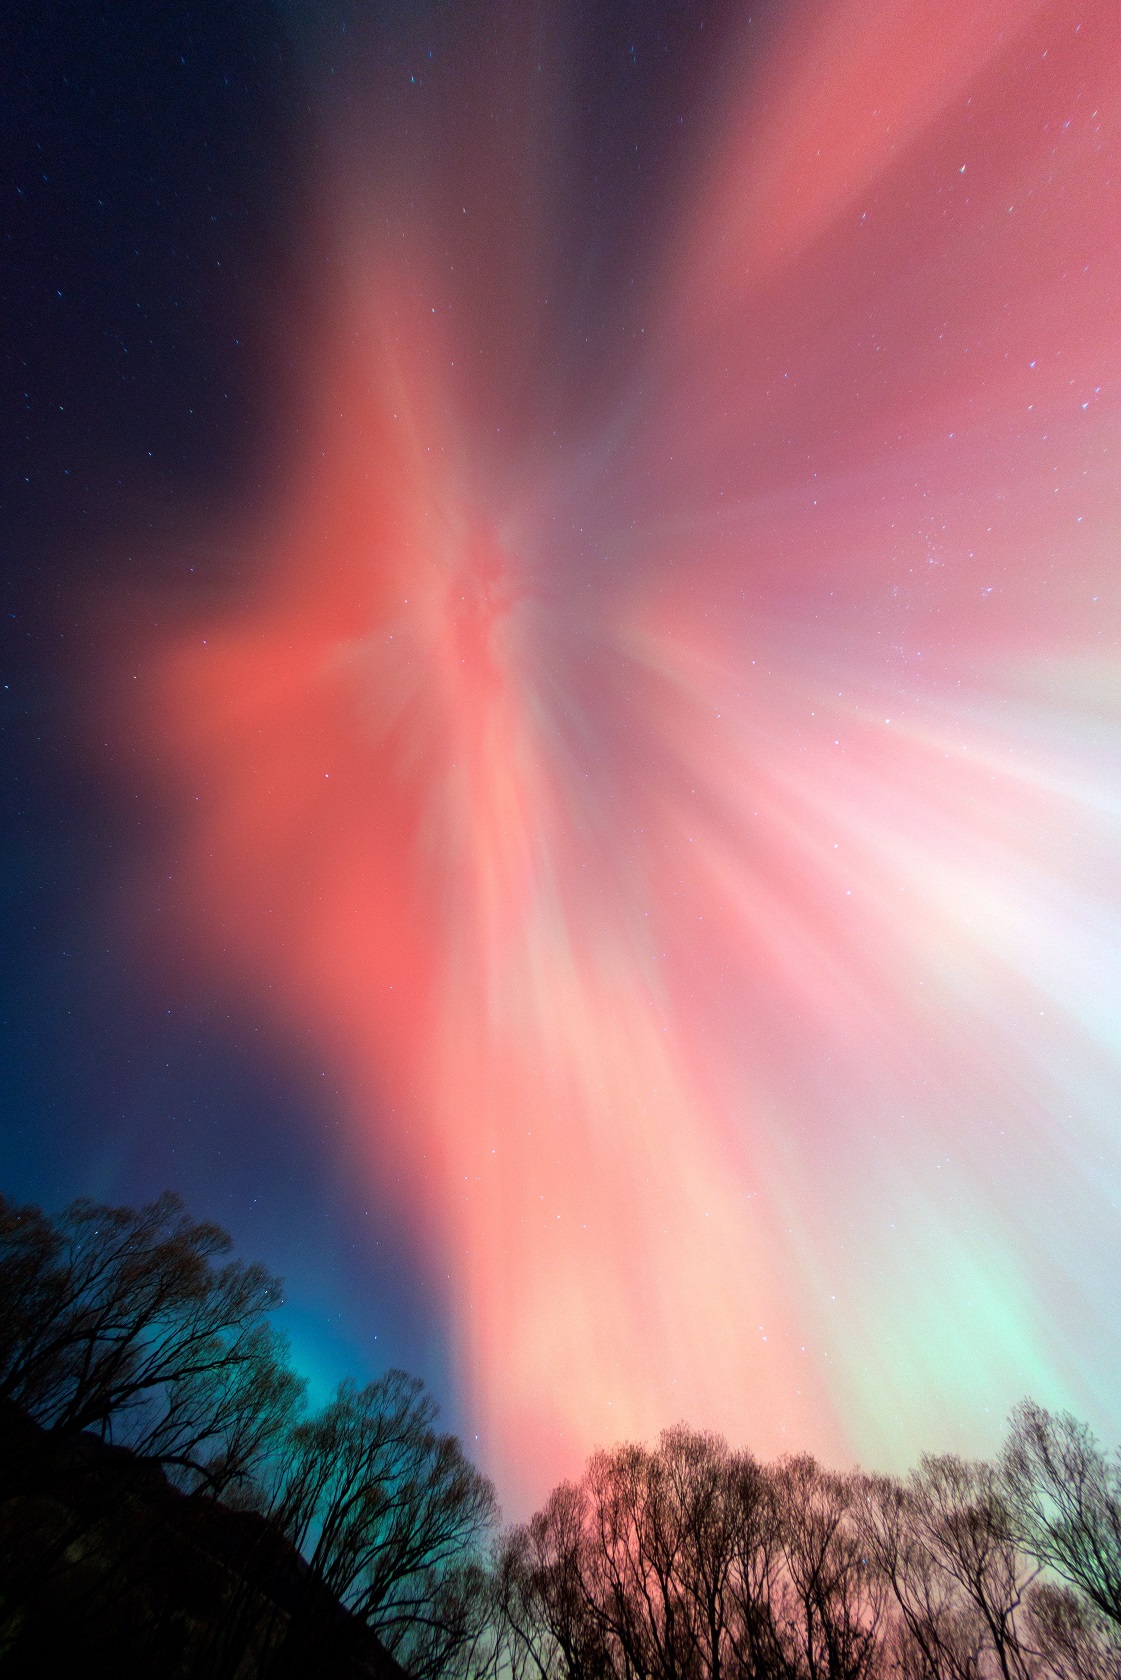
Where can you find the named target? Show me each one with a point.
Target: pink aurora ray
(692, 830)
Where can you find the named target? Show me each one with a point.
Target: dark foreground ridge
(110, 1570)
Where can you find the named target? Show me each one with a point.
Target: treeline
(682, 1561)
(689, 1561)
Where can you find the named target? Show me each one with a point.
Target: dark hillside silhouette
(109, 1570)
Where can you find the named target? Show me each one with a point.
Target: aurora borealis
(659, 745)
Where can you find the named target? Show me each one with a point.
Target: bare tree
(392, 1519)
(1073, 1640)
(701, 1490)
(939, 1632)
(122, 1322)
(631, 1563)
(829, 1600)
(32, 1298)
(755, 1649)
(212, 1427)
(958, 1514)
(1063, 1502)
(552, 1626)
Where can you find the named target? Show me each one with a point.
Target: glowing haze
(679, 790)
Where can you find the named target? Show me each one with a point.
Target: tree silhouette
(391, 1518)
(122, 1322)
(1064, 1502)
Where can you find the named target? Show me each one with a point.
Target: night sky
(561, 682)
